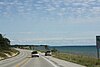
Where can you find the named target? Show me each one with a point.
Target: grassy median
(79, 59)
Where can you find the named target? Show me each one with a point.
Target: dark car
(48, 53)
(34, 54)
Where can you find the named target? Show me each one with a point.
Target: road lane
(37, 62)
(24, 60)
(11, 62)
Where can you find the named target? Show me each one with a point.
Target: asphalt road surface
(24, 60)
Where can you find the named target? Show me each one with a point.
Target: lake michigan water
(82, 50)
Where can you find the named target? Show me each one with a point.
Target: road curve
(24, 60)
(11, 62)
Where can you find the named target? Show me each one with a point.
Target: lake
(83, 50)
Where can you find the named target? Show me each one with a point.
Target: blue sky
(53, 22)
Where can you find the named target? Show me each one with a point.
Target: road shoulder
(63, 63)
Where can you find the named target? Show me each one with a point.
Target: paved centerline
(23, 62)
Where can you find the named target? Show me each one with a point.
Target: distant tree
(4, 43)
(54, 50)
(1, 41)
(46, 47)
(7, 43)
(1, 37)
(31, 47)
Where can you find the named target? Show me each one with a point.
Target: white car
(34, 54)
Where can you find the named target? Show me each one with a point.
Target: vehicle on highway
(34, 54)
(48, 53)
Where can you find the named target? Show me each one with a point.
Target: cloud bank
(57, 7)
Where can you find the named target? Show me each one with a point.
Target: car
(34, 54)
(48, 53)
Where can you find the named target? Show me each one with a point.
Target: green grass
(79, 59)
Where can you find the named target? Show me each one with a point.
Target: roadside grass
(10, 52)
(79, 59)
(2, 55)
(15, 51)
(42, 51)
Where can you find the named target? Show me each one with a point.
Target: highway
(24, 60)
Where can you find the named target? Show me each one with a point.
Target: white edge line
(49, 61)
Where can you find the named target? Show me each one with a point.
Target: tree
(1, 41)
(1, 37)
(4, 43)
(54, 50)
(7, 43)
(46, 47)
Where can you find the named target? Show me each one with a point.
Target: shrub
(2, 55)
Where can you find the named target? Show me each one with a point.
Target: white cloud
(2, 3)
(50, 9)
(46, 0)
(26, 32)
(96, 10)
(58, 41)
(39, 2)
(77, 7)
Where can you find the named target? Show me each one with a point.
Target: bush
(2, 55)
(14, 51)
(9, 52)
(54, 50)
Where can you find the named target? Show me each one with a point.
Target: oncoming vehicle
(48, 53)
(34, 54)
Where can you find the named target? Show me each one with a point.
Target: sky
(52, 22)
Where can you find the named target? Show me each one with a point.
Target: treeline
(46, 47)
(4, 43)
